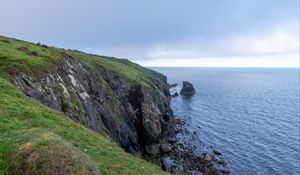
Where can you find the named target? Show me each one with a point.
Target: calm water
(251, 115)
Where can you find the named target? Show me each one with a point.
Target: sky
(193, 33)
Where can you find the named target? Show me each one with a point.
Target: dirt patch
(23, 49)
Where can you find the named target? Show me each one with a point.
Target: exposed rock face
(133, 114)
(187, 89)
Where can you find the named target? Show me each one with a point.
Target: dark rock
(173, 85)
(222, 161)
(165, 148)
(175, 94)
(187, 89)
(224, 171)
(217, 152)
(33, 53)
(73, 88)
(23, 49)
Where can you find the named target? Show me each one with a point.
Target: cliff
(113, 97)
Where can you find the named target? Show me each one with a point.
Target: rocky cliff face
(132, 114)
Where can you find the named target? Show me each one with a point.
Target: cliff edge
(115, 98)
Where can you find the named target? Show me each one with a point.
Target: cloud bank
(162, 33)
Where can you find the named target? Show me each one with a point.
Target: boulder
(187, 89)
(165, 148)
(222, 161)
(175, 94)
(217, 152)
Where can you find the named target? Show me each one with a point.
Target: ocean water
(251, 115)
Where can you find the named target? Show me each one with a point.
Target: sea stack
(187, 89)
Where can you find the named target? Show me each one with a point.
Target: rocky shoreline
(182, 157)
(183, 152)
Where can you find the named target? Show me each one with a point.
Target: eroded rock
(187, 89)
(132, 114)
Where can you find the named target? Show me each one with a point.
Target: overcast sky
(231, 33)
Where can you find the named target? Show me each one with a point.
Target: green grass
(12, 60)
(20, 114)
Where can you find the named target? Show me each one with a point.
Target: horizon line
(223, 66)
(220, 67)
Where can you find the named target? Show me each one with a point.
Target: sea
(251, 115)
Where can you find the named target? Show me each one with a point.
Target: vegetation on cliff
(24, 121)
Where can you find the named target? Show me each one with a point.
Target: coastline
(183, 151)
(186, 157)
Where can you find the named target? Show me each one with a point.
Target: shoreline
(179, 156)
(183, 152)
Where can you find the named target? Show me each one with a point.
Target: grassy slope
(20, 115)
(11, 59)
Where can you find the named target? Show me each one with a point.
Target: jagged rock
(217, 152)
(165, 148)
(175, 94)
(224, 170)
(187, 89)
(132, 114)
(173, 85)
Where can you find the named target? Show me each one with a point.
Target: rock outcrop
(133, 114)
(175, 94)
(187, 89)
(173, 85)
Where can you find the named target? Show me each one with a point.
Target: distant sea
(251, 115)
